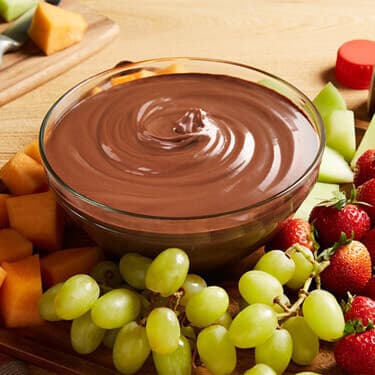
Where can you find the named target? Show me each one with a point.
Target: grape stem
(174, 299)
(303, 292)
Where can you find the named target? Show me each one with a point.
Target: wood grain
(29, 68)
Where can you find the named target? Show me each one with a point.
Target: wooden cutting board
(29, 68)
(48, 346)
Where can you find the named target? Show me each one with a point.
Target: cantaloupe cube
(39, 218)
(143, 73)
(4, 222)
(60, 265)
(32, 150)
(54, 28)
(20, 293)
(23, 175)
(13, 245)
(172, 69)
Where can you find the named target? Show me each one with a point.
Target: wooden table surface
(295, 39)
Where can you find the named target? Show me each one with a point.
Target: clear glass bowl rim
(319, 126)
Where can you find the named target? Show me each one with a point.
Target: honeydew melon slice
(275, 85)
(328, 100)
(11, 9)
(320, 192)
(334, 168)
(367, 142)
(340, 132)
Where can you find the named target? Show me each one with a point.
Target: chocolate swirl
(182, 145)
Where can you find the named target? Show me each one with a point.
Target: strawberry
(292, 231)
(364, 169)
(338, 216)
(368, 239)
(369, 290)
(349, 269)
(355, 352)
(366, 193)
(360, 308)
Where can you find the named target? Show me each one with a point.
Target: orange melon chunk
(172, 69)
(4, 222)
(60, 265)
(32, 150)
(23, 175)
(54, 28)
(131, 77)
(14, 246)
(39, 218)
(20, 293)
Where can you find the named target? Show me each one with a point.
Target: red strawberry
(360, 308)
(355, 353)
(368, 239)
(369, 290)
(366, 193)
(364, 169)
(336, 217)
(349, 269)
(290, 232)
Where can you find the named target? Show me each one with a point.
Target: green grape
(259, 287)
(253, 325)
(303, 269)
(133, 268)
(163, 330)
(85, 336)
(277, 264)
(188, 332)
(225, 320)
(110, 337)
(47, 303)
(324, 315)
(145, 304)
(283, 299)
(206, 306)
(167, 272)
(260, 369)
(131, 348)
(176, 363)
(305, 341)
(216, 350)
(76, 296)
(192, 284)
(276, 352)
(116, 308)
(107, 275)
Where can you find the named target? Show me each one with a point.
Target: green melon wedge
(11, 9)
(320, 192)
(275, 85)
(328, 100)
(340, 132)
(334, 169)
(367, 142)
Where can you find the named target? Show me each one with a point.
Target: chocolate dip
(182, 145)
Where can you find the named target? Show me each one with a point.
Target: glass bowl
(211, 240)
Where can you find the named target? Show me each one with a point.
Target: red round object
(355, 63)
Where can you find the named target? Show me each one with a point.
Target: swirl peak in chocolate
(182, 145)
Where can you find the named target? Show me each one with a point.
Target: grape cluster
(142, 307)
